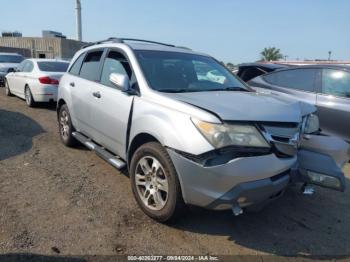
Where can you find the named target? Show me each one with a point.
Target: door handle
(96, 94)
(72, 84)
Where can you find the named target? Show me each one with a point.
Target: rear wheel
(66, 128)
(155, 183)
(7, 89)
(29, 97)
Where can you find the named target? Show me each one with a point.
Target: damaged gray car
(188, 131)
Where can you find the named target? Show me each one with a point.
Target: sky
(233, 31)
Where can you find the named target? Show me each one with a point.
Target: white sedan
(36, 80)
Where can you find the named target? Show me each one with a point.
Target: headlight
(222, 135)
(312, 124)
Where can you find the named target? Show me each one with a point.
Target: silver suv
(187, 137)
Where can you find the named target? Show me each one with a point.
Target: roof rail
(145, 41)
(108, 40)
(122, 40)
(184, 47)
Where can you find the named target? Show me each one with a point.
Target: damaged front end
(237, 177)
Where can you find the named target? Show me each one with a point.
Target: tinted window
(115, 62)
(300, 79)
(75, 69)
(182, 72)
(336, 82)
(11, 59)
(90, 68)
(28, 66)
(21, 66)
(53, 66)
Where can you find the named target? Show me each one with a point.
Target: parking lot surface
(55, 199)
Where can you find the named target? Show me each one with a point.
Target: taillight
(48, 81)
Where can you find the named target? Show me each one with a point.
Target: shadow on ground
(29, 257)
(47, 105)
(38, 258)
(16, 133)
(294, 225)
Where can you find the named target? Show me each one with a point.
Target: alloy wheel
(64, 124)
(151, 183)
(28, 96)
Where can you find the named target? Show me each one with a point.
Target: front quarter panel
(170, 127)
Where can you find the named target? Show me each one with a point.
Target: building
(11, 34)
(44, 47)
(52, 34)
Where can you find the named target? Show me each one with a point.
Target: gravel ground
(56, 200)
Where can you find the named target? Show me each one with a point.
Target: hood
(246, 106)
(8, 65)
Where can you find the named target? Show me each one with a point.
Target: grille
(284, 137)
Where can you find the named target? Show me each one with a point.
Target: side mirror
(11, 70)
(120, 81)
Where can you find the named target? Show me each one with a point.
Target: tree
(271, 54)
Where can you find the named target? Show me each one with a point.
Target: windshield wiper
(230, 88)
(180, 90)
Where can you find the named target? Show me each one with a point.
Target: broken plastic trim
(224, 155)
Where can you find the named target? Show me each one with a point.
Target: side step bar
(100, 151)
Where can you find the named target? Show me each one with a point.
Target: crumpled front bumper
(248, 180)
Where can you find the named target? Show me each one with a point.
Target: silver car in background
(325, 86)
(8, 63)
(36, 80)
(185, 139)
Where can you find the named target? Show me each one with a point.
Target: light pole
(78, 21)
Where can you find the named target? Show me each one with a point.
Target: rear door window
(299, 79)
(75, 68)
(28, 67)
(336, 83)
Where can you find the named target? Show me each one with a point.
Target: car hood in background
(8, 65)
(246, 106)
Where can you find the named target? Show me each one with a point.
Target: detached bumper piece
(319, 169)
(320, 162)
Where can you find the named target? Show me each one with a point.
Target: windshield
(181, 72)
(53, 66)
(11, 59)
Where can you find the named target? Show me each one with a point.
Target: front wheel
(7, 89)
(154, 182)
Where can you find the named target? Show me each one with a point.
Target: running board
(100, 151)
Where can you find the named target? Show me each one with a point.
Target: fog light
(241, 200)
(323, 180)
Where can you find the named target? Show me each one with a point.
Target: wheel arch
(60, 103)
(139, 140)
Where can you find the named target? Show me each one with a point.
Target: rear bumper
(242, 181)
(45, 93)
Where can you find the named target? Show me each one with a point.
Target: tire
(169, 204)
(29, 97)
(65, 127)
(7, 89)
